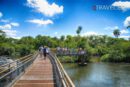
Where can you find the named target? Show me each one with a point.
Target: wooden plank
(40, 74)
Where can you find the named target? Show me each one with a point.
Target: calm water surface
(99, 75)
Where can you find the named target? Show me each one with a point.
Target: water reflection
(99, 75)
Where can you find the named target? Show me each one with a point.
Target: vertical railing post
(10, 77)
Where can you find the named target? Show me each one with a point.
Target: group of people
(43, 51)
(63, 50)
(79, 51)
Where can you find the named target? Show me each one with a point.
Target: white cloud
(127, 21)
(3, 20)
(124, 36)
(42, 6)
(16, 37)
(124, 31)
(1, 14)
(123, 5)
(56, 33)
(9, 26)
(41, 22)
(14, 24)
(6, 26)
(10, 33)
(90, 33)
(111, 28)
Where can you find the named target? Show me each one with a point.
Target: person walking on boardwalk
(45, 52)
(41, 51)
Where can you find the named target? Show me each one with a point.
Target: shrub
(113, 56)
(105, 58)
(6, 49)
(68, 59)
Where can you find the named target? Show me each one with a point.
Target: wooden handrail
(66, 81)
(66, 76)
(17, 60)
(27, 58)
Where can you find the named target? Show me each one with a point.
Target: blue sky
(62, 17)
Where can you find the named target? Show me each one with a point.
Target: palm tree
(79, 30)
(116, 33)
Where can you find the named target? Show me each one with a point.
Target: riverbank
(92, 59)
(74, 59)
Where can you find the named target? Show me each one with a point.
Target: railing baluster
(10, 74)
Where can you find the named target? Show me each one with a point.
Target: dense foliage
(106, 48)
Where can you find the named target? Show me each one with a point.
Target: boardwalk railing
(14, 70)
(61, 77)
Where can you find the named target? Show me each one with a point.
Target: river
(99, 74)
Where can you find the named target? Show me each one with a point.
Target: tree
(6, 49)
(2, 33)
(62, 38)
(27, 40)
(128, 26)
(2, 36)
(129, 38)
(79, 30)
(116, 33)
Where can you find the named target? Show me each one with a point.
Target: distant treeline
(106, 48)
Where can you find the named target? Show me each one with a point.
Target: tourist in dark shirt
(45, 52)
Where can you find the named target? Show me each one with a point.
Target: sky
(20, 18)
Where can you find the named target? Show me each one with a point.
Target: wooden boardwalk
(39, 74)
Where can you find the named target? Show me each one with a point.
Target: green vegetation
(94, 59)
(104, 48)
(116, 33)
(79, 30)
(15, 48)
(68, 59)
